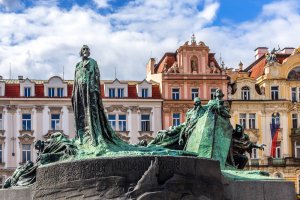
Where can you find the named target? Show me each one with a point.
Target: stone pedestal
(145, 178)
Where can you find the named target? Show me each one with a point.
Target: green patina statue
(90, 118)
(176, 136)
(207, 131)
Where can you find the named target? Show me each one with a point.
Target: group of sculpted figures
(94, 135)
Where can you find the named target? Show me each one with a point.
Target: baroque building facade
(32, 110)
(191, 71)
(266, 101)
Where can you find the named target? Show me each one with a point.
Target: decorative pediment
(145, 110)
(116, 108)
(55, 109)
(26, 138)
(134, 108)
(148, 138)
(26, 132)
(39, 108)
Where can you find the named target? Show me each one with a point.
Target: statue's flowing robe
(87, 103)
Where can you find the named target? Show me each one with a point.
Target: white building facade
(32, 110)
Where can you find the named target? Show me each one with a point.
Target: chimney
(260, 51)
(150, 66)
(287, 50)
(20, 77)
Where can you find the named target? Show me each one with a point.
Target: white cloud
(101, 3)
(9, 5)
(39, 41)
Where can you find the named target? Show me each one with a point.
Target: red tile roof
(256, 69)
(39, 90)
(12, 90)
(156, 92)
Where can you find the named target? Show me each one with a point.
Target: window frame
(294, 120)
(122, 123)
(213, 93)
(295, 149)
(27, 91)
(112, 122)
(26, 152)
(145, 92)
(252, 121)
(275, 92)
(145, 123)
(175, 94)
(60, 92)
(111, 92)
(120, 92)
(294, 94)
(245, 93)
(1, 121)
(243, 121)
(176, 120)
(51, 92)
(195, 93)
(56, 122)
(28, 122)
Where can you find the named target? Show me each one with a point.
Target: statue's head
(219, 94)
(197, 101)
(85, 51)
(239, 131)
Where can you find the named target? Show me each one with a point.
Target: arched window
(276, 118)
(245, 93)
(294, 74)
(194, 64)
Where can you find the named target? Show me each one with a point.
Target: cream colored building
(32, 110)
(267, 93)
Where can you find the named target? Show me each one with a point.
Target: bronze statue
(90, 118)
(240, 145)
(176, 136)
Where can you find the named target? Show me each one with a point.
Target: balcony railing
(295, 131)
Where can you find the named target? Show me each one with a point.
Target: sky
(42, 38)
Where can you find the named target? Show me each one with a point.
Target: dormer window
(111, 92)
(27, 88)
(27, 91)
(120, 92)
(116, 89)
(56, 87)
(144, 92)
(245, 93)
(60, 92)
(51, 92)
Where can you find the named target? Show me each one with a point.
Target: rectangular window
(195, 93)
(254, 154)
(294, 94)
(213, 93)
(278, 150)
(242, 120)
(1, 121)
(122, 123)
(176, 119)
(175, 93)
(112, 121)
(60, 92)
(1, 154)
(297, 149)
(274, 92)
(252, 120)
(27, 91)
(145, 123)
(111, 93)
(120, 92)
(55, 118)
(51, 92)
(26, 122)
(295, 120)
(26, 153)
(144, 92)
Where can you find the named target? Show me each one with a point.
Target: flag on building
(274, 135)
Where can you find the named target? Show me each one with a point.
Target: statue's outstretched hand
(261, 147)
